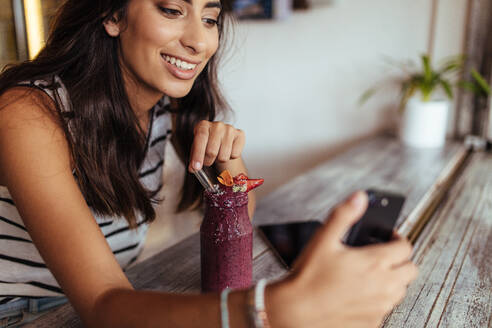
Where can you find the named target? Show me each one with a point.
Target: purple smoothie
(226, 238)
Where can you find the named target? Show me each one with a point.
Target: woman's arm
(128, 308)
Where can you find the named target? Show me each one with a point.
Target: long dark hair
(106, 142)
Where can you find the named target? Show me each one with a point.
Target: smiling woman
(82, 127)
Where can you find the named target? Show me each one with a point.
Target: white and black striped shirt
(23, 272)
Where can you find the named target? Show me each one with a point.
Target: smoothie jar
(226, 240)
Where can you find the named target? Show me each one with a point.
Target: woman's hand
(215, 141)
(334, 285)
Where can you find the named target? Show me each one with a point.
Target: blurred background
(294, 77)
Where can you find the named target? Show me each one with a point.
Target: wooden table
(454, 286)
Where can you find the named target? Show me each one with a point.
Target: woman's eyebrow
(211, 4)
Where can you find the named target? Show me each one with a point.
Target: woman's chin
(176, 93)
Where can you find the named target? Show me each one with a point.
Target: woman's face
(165, 44)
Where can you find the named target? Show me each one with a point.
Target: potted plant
(425, 99)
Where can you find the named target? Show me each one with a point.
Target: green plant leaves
(452, 64)
(428, 73)
(483, 86)
(470, 86)
(429, 80)
(447, 88)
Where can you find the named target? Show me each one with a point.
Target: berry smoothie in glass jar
(226, 235)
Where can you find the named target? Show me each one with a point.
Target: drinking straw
(205, 180)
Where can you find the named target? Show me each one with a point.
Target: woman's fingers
(345, 215)
(199, 146)
(224, 153)
(393, 253)
(238, 144)
(215, 141)
(407, 272)
(398, 281)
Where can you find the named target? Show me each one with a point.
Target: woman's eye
(211, 22)
(169, 11)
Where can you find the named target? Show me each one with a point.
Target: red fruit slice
(253, 183)
(240, 177)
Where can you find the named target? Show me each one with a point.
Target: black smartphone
(376, 226)
(288, 239)
(378, 222)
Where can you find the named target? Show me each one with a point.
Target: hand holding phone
(328, 272)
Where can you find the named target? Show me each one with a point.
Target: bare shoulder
(28, 123)
(24, 105)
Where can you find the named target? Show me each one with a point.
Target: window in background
(34, 26)
(8, 47)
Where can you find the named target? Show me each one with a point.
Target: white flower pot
(424, 124)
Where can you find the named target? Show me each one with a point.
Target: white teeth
(179, 63)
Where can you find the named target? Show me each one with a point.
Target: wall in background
(294, 84)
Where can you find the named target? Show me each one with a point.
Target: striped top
(23, 272)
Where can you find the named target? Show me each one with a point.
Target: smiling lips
(179, 68)
(179, 63)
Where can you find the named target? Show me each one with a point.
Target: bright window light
(34, 26)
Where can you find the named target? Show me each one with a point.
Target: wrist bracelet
(256, 305)
(224, 311)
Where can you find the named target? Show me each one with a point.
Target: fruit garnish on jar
(226, 179)
(239, 183)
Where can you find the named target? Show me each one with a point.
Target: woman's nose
(193, 37)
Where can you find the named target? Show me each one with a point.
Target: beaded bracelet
(256, 305)
(224, 311)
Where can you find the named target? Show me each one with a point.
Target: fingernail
(357, 200)
(197, 165)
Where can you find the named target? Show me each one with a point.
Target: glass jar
(226, 240)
